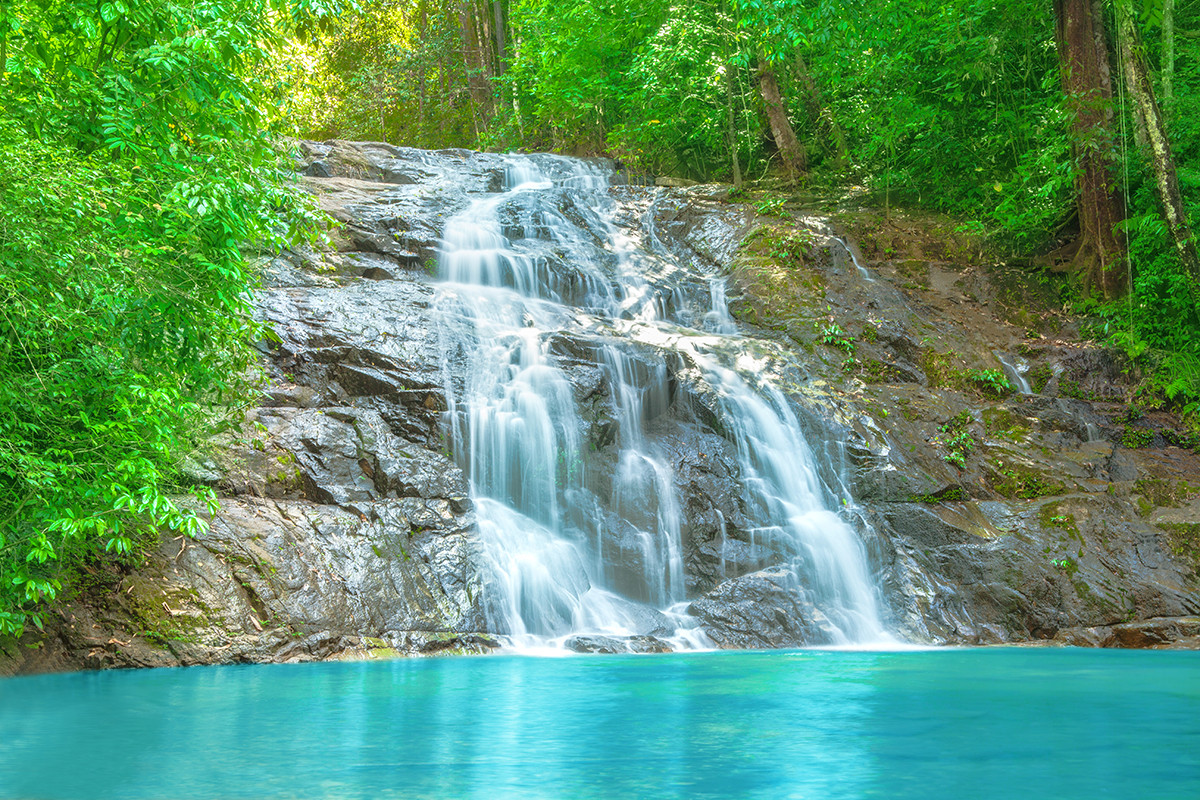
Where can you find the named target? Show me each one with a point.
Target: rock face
(346, 529)
(764, 609)
(992, 514)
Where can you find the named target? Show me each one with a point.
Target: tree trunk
(4, 25)
(1154, 131)
(475, 61)
(795, 160)
(1087, 85)
(498, 29)
(1168, 67)
(732, 130)
(820, 114)
(422, 36)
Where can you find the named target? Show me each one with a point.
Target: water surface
(994, 723)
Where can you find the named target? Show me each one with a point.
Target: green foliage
(387, 71)
(1024, 482)
(675, 117)
(957, 439)
(1157, 325)
(834, 336)
(954, 106)
(1134, 438)
(991, 382)
(1066, 564)
(135, 165)
(772, 205)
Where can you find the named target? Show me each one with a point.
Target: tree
(1152, 130)
(795, 160)
(136, 167)
(1087, 86)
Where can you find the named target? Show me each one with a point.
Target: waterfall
(1015, 372)
(863, 272)
(540, 279)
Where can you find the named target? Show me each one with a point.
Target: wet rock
(346, 530)
(616, 644)
(979, 572)
(284, 581)
(1159, 633)
(768, 608)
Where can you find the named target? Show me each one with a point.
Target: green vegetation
(991, 382)
(1051, 515)
(957, 438)
(833, 336)
(772, 206)
(876, 371)
(1027, 483)
(1163, 493)
(1134, 438)
(1069, 566)
(1184, 540)
(136, 166)
(941, 370)
(1039, 376)
(950, 494)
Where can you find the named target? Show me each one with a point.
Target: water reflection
(993, 723)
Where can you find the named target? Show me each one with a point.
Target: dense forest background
(143, 166)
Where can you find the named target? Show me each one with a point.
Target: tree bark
(4, 23)
(1168, 68)
(732, 126)
(1153, 130)
(422, 35)
(499, 31)
(1087, 85)
(795, 160)
(475, 47)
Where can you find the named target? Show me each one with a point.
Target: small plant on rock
(1133, 437)
(772, 206)
(957, 439)
(991, 382)
(833, 335)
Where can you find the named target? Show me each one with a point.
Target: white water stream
(539, 275)
(1015, 372)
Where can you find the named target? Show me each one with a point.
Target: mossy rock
(1004, 423)
(1039, 376)
(772, 274)
(948, 494)
(1162, 493)
(876, 371)
(939, 369)
(1183, 540)
(1053, 515)
(1024, 482)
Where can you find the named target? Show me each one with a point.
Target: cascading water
(1015, 372)
(539, 275)
(862, 271)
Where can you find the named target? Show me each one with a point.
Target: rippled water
(995, 723)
